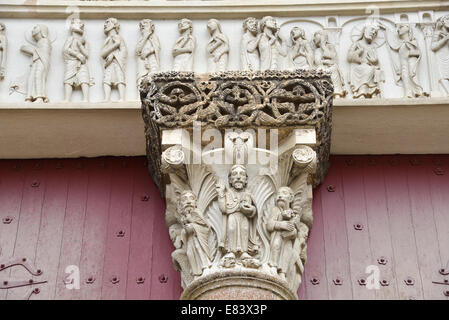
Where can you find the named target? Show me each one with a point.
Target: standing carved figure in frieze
(40, 64)
(249, 46)
(147, 50)
(440, 45)
(284, 225)
(217, 47)
(271, 46)
(114, 54)
(326, 57)
(409, 54)
(75, 54)
(184, 48)
(195, 233)
(365, 75)
(301, 53)
(239, 221)
(3, 50)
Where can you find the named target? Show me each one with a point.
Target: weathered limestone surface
(239, 208)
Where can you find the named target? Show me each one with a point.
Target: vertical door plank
(316, 260)
(117, 245)
(335, 235)
(379, 224)
(141, 246)
(51, 227)
(163, 273)
(95, 229)
(402, 232)
(438, 174)
(29, 224)
(11, 189)
(356, 224)
(73, 227)
(423, 224)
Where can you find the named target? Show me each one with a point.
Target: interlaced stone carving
(239, 217)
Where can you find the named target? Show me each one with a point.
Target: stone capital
(236, 155)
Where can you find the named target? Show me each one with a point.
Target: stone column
(236, 156)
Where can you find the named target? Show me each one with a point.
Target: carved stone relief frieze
(184, 48)
(147, 50)
(3, 50)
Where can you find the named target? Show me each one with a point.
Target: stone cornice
(205, 9)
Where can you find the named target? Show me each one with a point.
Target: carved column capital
(236, 155)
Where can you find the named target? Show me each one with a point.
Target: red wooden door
(104, 216)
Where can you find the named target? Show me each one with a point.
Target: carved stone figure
(195, 233)
(75, 54)
(365, 75)
(271, 47)
(409, 54)
(114, 54)
(326, 57)
(147, 50)
(40, 64)
(249, 46)
(3, 50)
(237, 205)
(301, 53)
(440, 46)
(217, 47)
(184, 48)
(283, 225)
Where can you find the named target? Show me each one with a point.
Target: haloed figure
(40, 53)
(217, 47)
(114, 54)
(147, 50)
(75, 54)
(184, 47)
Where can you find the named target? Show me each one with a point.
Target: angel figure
(240, 216)
(326, 57)
(409, 54)
(440, 45)
(249, 52)
(301, 53)
(114, 54)
(271, 46)
(365, 75)
(195, 233)
(75, 54)
(184, 47)
(147, 50)
(3, 50)
(40, 64)
(217, 47)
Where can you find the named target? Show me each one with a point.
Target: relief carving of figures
(3, 50)
(147, 50)
(195, 233)
(409, 56)
(326, 57)
(217, 47)
(114, 55)
(301, 53)
(365, 75)
(239, 220)
(75, 54)
(440, 46)
(184, 48)
(34, 84)
(249, 46)
(284, 226)
(271, 47)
